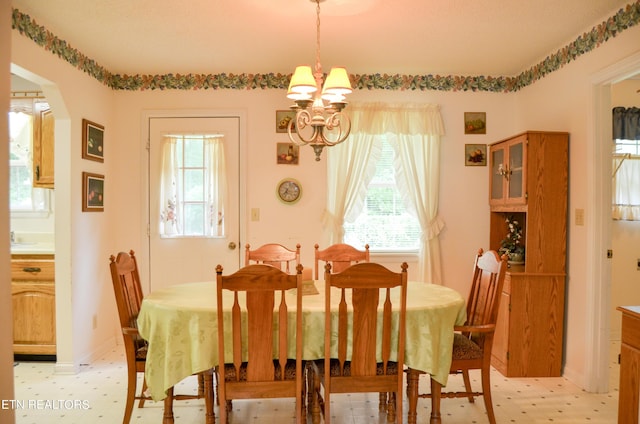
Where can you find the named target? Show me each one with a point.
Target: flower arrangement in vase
(511, 245)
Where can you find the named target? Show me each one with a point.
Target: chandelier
(319, 120)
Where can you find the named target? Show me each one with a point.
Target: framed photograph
(283, 119)
(92, 192)
(92, 141)
(475, 122)
(287, 154)
(475, 155)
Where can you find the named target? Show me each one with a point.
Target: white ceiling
(411, 37)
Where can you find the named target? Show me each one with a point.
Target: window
(626, 180)
(24, 200)
(192, 188)
(384, 209)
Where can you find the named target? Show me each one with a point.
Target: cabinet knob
(32, 269)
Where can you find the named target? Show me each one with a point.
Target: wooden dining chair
(128, 294)
(273, 254)
(253, 309)
(359, 356)
(340, 256)
(473, 341)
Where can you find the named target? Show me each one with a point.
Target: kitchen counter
(32, 248)
(33, 244)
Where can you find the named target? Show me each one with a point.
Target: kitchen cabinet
(628, 409)
(33, 300)
(529, 183)
(43, 145)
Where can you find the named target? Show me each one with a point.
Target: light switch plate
(580, 217)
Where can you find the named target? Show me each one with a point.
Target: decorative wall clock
(289, 191)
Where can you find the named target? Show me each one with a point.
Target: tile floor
(97, 393)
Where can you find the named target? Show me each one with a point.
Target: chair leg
(467, 385)
(412, 394)
(142, 395)
(315, 401)
(310, 388)
(167, 417)
(436, 391)
(391, 408)
(132, 380)
(200, 385)
(210, 417)
(486, 394)
(382, 402)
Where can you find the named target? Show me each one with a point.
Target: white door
(181, 259)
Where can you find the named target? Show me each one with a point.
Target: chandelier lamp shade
(319, 120)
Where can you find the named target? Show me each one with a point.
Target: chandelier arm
(341, 122)
(302, 120)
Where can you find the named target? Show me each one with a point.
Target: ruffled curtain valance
(626, 123)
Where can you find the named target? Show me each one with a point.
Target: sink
(23, 243)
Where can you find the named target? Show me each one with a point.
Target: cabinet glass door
(497, 180)
(516, 186)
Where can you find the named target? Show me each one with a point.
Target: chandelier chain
(318, 65)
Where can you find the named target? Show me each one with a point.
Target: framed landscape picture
(92, 141)
(475, 122)
(92, 192)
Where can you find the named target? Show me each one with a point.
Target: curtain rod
(196, 134)
(27, 95)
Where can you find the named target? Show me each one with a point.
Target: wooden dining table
(180, 324)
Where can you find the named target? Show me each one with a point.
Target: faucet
(13, 237)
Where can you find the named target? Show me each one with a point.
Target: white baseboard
(99, 352)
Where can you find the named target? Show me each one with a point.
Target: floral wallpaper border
(625, 18)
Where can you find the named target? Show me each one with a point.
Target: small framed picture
(92, 141)
(284, 118)
(475, 155)
(475, 122)
(287, 154)
(92, 192)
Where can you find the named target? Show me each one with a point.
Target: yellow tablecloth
(180, 324)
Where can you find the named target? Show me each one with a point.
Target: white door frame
(598, 307)
(144, 166)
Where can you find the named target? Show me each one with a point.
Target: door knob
(232, 246)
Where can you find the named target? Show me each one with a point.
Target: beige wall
(561, 101)
(83, 240)
(7, 416)
(564, 100)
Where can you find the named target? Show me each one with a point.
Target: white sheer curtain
(215, 185)
(170, 194)
(172, 187)
(415, 132)
(626, 188)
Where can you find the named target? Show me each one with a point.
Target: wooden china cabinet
(528, 183)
